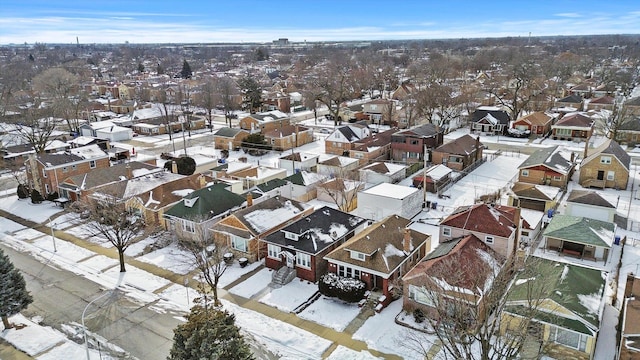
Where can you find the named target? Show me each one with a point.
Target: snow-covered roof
(391, 191)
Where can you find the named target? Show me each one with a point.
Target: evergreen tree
(140, 68)
(251, 94)
(14, 296)
(208, 334)
(159, 69)
(186, 70)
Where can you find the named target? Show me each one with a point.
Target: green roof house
(580, 237)
(570, 303)
(201, 209)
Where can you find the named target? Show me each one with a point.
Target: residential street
(61, 296)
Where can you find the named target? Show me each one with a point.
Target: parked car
(518, 133)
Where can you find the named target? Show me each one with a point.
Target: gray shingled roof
(589, 198)
(610, 147)
(551, 157)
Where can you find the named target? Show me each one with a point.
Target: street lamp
(53, 238)
(84, 328)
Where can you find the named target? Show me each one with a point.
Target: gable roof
(631, 124)
(479, 259)
(581, 230)
(605, 100)
(575, 288)
(169, 192)
(573, 99)
(271, 184)
(589, 198)
(575, 120)
(482, 218)
(229, 132)
(610, 147)
(264, 216)
(554, 158)
(500, 116)
(537, 118)
(103, 176)
(422, 131)
(305, 178)
(464, 145)
(57, 159)
(317, 231)
(382, 243)
(535, 191)
(206, 203)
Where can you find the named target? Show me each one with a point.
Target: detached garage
(380, 201)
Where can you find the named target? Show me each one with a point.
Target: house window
(44, 173)
(605, 160)
(303, 260)
(568, 338)
(357, 255)
(239, 243)
(611, 175)
(92, 164)
(446, 231)
(488, 239)
(188, 226)
(422, 295)
(273, 251)
(290, 236)
(525, 173)
(556, 178)
(563, 132)
(414, 142)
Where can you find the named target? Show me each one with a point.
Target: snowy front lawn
(253, 285)
(290, 296)
(27, 210)
(331, 312)
(344, 353)
(9, 226)
(170, 257)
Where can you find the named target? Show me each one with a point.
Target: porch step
(283, 276)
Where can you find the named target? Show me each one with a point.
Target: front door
(600, 174)
(290, 259)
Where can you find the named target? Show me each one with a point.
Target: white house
(114, 133)
(382, 172)
(386, 199)
(299, 161)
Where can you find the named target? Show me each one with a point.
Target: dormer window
(189, 202)
(357, 255)
(605, 159)
(290, 236)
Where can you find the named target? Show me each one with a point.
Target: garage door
(532, 204)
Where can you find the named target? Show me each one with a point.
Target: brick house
(459, 154)
(490, 120)
(496, 226)
(343, 139)
(45, 172)
(629, 131)
(288, 137)
(552, 166)
(538, 123)
(380, 255)
(300, 247)
(602, 103)
(573, 101)
(243, 229)
(410, 145)
(264, 122)
(372, 148)
(440, 278)
(576, 127)
(607, 166)
(229, 138)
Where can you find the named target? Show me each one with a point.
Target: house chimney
(478, 155)
(628, 290)
(406, 241)
(586, 148)
(129, 172)
(249, 199)
(202, 180)
(517, 219)
(174, 167)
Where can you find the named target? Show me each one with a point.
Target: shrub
(36, 198)
(344, 288)
(23, 191)
(52, 196)
(418, 316)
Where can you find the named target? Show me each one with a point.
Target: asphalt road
(60, 297)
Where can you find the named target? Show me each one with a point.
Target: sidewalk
(338, 338)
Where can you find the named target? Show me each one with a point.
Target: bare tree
(207, 99)
(438, 104)
(58, 85)
(228, 93)
(470, 329)
(207, 256)
(109, 217)
(336, 84)
(343, 189)
(37, 128)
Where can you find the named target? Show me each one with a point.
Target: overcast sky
(160, 21)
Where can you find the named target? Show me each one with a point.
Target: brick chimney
(174, 167)
(249, 199)
(628, 290)
(406, 241)
(202, 181)
(129, 172)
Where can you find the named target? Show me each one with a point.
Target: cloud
(568, 15)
